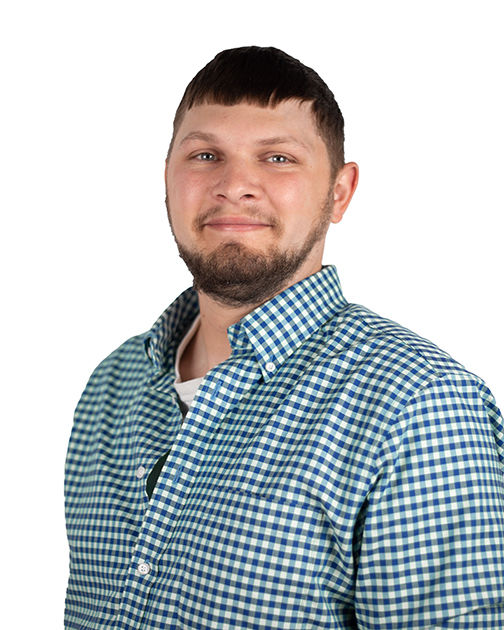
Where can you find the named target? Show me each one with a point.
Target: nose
(236, 181)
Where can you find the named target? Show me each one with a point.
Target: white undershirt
(186, 390)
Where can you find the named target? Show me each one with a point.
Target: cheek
(186, 196)
(294, 199)
(184, 189)
(299, 204)
(287, 191)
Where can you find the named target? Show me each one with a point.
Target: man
(268, 455)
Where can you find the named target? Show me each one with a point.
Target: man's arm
(432, 548)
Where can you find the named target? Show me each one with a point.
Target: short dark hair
(266, 77)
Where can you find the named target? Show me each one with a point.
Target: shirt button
(270, 366)
(140, 472)
(143, 568)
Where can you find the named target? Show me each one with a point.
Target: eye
(205, 156)
(278, 159)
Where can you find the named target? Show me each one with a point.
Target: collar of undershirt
(183, 345)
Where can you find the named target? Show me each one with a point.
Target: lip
(236, 224)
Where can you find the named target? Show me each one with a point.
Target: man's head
(255, 174)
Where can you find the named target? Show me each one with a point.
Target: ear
(166, 173)
(344, 188)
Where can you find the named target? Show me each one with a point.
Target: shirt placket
(222, 388)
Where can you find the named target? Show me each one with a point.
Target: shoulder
(388, 366)
(124, 362)
(392, 348)
(117, 377)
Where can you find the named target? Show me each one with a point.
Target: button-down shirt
(337, 471)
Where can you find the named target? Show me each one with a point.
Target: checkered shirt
(337, 471)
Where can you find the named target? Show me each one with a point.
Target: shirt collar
(274, 329)
(278, 327)
(163, 338)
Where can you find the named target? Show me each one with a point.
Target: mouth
(236, 224)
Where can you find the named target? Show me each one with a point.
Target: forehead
(291, 118)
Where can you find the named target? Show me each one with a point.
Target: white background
(89, 92)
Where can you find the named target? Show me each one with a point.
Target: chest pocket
(257, 555)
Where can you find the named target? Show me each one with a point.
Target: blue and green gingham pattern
(337, 471)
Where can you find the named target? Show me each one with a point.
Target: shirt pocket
(257, 555)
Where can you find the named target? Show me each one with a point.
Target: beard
(236, 275)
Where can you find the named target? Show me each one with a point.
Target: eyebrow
(198, 135)
(210, 137)
(282, 140)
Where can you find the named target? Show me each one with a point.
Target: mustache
(251, 212)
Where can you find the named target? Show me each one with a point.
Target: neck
(210, 344)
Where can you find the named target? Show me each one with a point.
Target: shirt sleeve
(432, 546)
